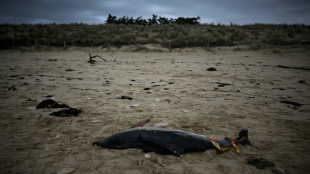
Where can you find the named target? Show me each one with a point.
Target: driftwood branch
(91, 58)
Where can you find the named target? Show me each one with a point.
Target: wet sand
(181, 93)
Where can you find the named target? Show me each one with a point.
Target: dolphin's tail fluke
(243, 138)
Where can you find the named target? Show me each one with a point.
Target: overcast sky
(96, 11)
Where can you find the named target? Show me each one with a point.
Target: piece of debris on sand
(293, 67)
(123, 97)
(294, 104)
(220, 84)
(71, 112)
(92, 61)
(211, 69)
(70, 69)
(49, 103)
(140, 123)
(259, 162)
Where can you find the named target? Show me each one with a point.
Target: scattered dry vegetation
(106, 35)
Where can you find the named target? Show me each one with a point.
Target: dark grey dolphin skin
(162, 140)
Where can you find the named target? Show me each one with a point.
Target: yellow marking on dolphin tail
(224, 148)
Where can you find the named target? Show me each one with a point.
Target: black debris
(211, 69)
(69, 69)
(223, 84)
(24, 84)
(49, 103)
(92, 61)
(282, 66)
(71, 112)
(9, 89)
(301, 81)
(124, 97)
(30, 99)
(295, 104)
(146, 89)
(12, 89)
(279, 88)
(293, 67)
(259, 162)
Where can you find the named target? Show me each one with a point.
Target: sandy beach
(246, 91)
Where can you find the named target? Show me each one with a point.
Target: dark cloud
(96, 11)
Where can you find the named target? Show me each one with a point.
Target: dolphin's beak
(98, 143)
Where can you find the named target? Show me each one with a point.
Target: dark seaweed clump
(71, 112)
(259, 162)
(49, 103)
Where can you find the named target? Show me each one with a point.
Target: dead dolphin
(162, 140)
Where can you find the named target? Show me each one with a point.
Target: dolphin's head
(102, 143)
(116, 141)
(123, 140)
(110, 142)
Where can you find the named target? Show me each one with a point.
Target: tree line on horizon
(155, 20)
